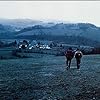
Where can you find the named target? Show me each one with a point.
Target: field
(44, 77)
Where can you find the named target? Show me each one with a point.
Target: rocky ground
(44, 77)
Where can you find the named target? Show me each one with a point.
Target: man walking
(69, 55)
(78, 56)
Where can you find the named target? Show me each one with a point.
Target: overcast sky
(71, 11)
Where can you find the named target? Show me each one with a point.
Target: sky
(69, 11)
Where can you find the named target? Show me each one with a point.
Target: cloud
(78, 11)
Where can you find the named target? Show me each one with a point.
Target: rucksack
(78, 55)
(69, 54)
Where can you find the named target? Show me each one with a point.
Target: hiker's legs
(78, 63)
(69, 63)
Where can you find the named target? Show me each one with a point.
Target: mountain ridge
(44, 30)
(86, 30)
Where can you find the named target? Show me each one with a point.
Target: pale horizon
(65, 11)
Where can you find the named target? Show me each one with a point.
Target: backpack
(69, 54)
(78, 55)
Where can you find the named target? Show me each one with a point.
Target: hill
(85, 30)
(6, 31)
(79, 33)
(72, 33)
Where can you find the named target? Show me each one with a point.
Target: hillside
(44, 77)
(6, 28)
(85, 30)
(72, 33)
(79, 33)
(6, 31)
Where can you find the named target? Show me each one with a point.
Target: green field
(44, 77)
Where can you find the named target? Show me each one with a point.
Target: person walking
(78, 55)
(69, 55)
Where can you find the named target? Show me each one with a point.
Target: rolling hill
(72, 33)
(79, 33)
(85, 30)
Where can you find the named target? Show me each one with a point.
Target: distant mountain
(74, 33)
(23, 23)
(6, 31)
(85, 30)
(6, 28)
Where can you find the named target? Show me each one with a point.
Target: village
(20, 47)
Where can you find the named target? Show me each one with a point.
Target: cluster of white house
(43, 44)
(35, 44)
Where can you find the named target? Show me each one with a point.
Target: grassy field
(44, 77)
